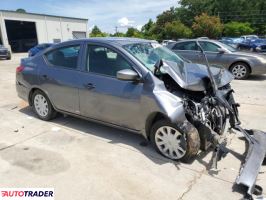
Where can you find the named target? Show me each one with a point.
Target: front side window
(208, 46)
(64, 57)
(187, 46)
(102, 60)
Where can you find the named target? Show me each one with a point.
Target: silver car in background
(240, 64)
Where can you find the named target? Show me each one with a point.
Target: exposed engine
(201, 108)
(206, 112)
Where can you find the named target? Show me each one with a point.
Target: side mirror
(127, 75)
(221, 50)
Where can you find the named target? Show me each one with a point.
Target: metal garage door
(78, 35)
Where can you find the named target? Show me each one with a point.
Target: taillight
(20, 68)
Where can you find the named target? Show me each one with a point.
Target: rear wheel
(240, 70)
(172, 143)
(42, 106)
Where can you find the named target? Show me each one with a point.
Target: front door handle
(90, 86)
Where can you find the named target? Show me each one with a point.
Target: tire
(42, 106)
(189, 142)
(240, 70)
(8, 58)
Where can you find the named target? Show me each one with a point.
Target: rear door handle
(90, 86)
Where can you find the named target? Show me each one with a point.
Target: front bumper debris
(255, 155)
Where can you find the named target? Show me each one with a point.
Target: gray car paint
(68, 92)
(257, 62)
(254, 159)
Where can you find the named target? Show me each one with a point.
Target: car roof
(193, 40)
(45, 43)
(111, 40)
(200, 40)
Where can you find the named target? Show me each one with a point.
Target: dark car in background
(4, 53)
(255, 45)
(40, 47)
(233, 42)
(240, 64)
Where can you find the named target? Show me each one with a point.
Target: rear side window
(64, 57)
(189, 46)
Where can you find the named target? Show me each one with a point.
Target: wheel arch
(32, 90)
(152, 118)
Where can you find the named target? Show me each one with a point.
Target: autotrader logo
(26, 193)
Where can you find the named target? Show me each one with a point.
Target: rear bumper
(22, 91)
(259, 69)
(255, 156)
(4, 56)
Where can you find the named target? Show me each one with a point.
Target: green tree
(21, 10)
(96, 32)
(133, 32)
(146, 30)
(209, 26)
(191, 8)
(228, 10)
(259, 29)
(235, 29)
(118, 34)
(175, 30)
(167, 16)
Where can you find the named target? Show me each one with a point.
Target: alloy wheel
(239, 71)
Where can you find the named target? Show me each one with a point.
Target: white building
(21, 31)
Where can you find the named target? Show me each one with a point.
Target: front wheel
(42, 106)
(240, 70)
(172, 143)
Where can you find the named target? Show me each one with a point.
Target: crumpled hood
(194, 77)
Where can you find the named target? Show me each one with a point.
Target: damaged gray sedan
(141, 86)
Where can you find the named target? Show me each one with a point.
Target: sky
(106, 14)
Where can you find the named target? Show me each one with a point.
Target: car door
(59, 78)
(102, 95)
(188, 50)
(215, 57)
